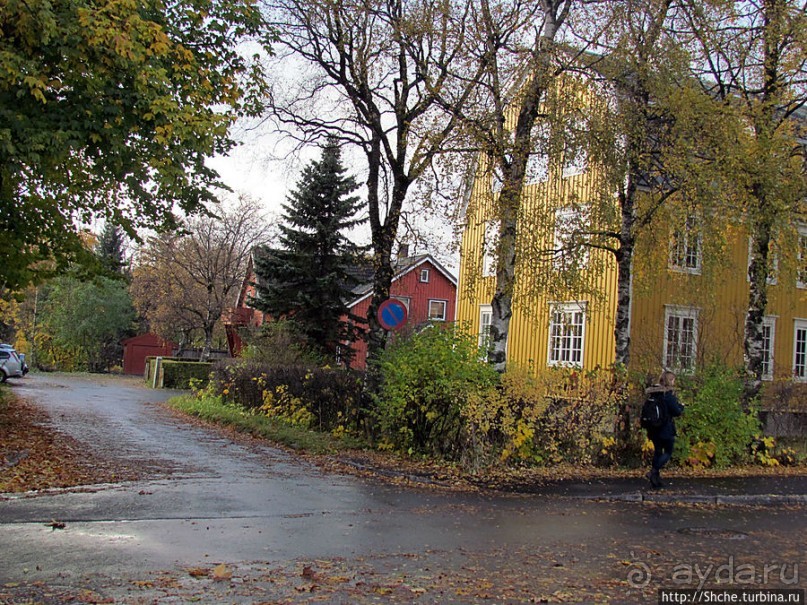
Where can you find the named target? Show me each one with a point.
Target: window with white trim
(575, 154)
(424, 276)
(800, 350)
(404, 299)
(485, 316)
(685, 247)
(801, 269)
(574, 162)
(538, 162)
(437, 310)
(768, 337)
(568, 222)
(680, 337)
(489, 245)
(773, 263)
(567, 331)
(496, 182)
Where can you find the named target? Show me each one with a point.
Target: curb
(720, 499)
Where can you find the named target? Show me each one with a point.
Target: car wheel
(3, 376)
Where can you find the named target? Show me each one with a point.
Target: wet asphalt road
(238, 504)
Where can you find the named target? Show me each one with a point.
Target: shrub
(426, 380)
(279, 343)
(180, 374)
(558, 415)
(714, 429)
(321, 398)
(501, 421)
(177, 373)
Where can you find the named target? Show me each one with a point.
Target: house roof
(401, 266)
(363, 272)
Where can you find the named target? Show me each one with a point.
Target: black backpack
(654, 412)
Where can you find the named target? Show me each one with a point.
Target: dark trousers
(662, 451)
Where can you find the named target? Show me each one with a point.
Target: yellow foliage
(546, 417)
(283, 405)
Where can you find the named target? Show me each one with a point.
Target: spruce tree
(308, 278)
(111, 248)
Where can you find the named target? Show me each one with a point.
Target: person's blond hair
(667, 379)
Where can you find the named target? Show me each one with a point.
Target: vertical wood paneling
(529, 326)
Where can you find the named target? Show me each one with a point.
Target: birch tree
(656, 138)
(752, 57)
(513, 57)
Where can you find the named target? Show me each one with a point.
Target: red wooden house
(426, 288)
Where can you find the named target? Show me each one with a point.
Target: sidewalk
(754, 490)
(788, 488)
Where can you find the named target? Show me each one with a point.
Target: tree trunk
(383, 237)
(208, 346)
(514, 167)
(624, 262)
(757, 304)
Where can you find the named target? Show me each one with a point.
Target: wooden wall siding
(529, 327)
(419, 294)
(720, 293)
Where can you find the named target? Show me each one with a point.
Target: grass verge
(215, 410)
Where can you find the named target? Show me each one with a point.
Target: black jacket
(674, 409)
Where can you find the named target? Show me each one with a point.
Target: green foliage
(83, 322)
(325, 399)
(714, 430)
(111, 249)
(215, 408)
(427, 380)
(182, 374)
(309, 278)
(109, 109)
(279, 343)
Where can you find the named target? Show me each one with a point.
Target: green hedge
(177, 374)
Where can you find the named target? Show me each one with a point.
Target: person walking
(663, 435)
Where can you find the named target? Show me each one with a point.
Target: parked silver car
(11, 365)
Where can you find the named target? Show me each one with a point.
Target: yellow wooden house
(689, 292)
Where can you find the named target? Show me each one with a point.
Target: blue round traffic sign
(392, 314)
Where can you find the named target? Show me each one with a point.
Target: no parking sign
(392, 314)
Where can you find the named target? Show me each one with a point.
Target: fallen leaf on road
(308, 573)
(54, 524)
(221, 573)
(198, 572)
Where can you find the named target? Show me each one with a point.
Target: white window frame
(565, 224)
(801, 268)
(682, 248)
(672, 358)
(768, 346)
(489, 245)
(424, 276)
(404, 299)
(574, 165)
(445, 309)
(485, 317)
(800, 350)
(496, 182)
(566, 345)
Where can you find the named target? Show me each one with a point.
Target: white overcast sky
(263, 167)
